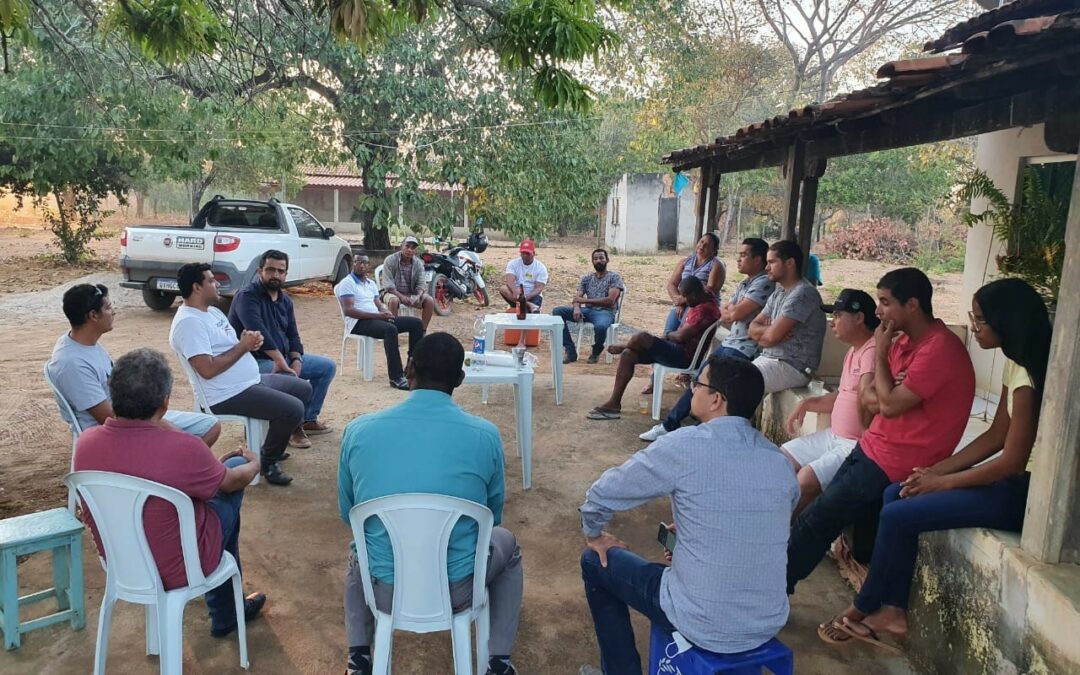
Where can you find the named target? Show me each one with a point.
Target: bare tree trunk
(140, 204)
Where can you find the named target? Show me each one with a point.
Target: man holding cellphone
(725, 589)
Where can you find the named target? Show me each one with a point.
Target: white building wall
(615, 216)
(1001, 155)
(688, 215)
(643, 209)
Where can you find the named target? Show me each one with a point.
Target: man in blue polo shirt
(265, 307)
(466, 462)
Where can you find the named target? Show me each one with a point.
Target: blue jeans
(227, 507)
(673, 322)
(681, 410)
(999, 506)
(600, 318)
(628, 581)
(320, 372)
(853, 497)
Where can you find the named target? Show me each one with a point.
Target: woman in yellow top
(959, 491)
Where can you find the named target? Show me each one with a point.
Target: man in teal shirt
(462, 457)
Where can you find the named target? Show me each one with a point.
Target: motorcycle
(455, 273)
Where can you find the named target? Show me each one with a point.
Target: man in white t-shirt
(528, 272)
(365, 314)
(229, 376)
(818, 456)
(80, 367)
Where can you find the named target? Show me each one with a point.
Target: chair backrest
(65, 408)
(196, 383)
(378, 276)
(703, 345)
(617, 313)
(419, 527)
(116, 502)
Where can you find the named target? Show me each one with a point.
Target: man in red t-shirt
(924, 384)
(137, 443)
(675, 348)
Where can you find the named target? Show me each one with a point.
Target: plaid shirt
(594, 287)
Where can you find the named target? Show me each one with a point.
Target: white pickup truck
(231, 235)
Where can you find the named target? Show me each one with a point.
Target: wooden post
(714, 195)
(808, 209)
(702, 195)
(794, 170)
(1052, 522)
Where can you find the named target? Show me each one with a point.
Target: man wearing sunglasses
(732, 493)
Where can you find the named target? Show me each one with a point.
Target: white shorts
(196, 424)
(823, 451)
(779, 375)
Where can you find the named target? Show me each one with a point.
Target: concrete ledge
(982, 605)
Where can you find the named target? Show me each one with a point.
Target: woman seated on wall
(704, 265)
(960, 492)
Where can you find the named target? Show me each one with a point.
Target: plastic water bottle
(478, 343)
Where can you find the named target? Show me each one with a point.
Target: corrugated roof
(985, 54)
(342, 176)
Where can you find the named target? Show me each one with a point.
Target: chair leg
(9, 599)
(461, 637)
(104, 623)
(344, 341)
(76, 594)
(380, 653)
(612, 330)
(369, 359)
(61, 574)
(483, 634)
(171, 632)
(241, 624)
(153, 631)
(657, 389)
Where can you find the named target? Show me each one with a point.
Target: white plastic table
(548, 323)
(522, 379)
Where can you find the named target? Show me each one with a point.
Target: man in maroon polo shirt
(137, 443)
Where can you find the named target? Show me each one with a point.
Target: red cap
(527, 246)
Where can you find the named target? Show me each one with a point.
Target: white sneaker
(654, 433)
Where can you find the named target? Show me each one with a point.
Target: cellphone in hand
(666, 537)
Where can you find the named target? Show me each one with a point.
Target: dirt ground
(293, 544)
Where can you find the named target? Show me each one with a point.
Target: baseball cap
(410, 240)
(527, 246)
(856, 302)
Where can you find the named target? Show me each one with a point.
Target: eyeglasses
(976, 322)
(694, 384)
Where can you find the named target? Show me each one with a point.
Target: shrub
(878, 239)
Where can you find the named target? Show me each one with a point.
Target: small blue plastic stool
(773, 655)
(56, 530)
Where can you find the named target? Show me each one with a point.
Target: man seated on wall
(818, 456)
(674, 349)
(791, 328)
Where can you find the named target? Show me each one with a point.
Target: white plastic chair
(661, 371)
(116, 503)
(255, 429)
(419, 527)
(402, 309)
(365, 347)
(612, 330)
(68, 413)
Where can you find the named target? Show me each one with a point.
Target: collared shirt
(732, 493)
(593, 287)
(363, 293)
(254, 309)
(463, 457)
(757, 288)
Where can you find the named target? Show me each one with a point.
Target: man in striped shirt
(732, 493)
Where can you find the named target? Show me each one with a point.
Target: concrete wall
(982, 605)
(1001, 155)
(632, 210)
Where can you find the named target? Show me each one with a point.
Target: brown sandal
(832, 631)
(871, 637)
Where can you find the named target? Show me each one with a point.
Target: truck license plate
(166, 285)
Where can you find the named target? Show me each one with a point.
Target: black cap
(855, 301)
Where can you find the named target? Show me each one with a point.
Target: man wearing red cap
(525, 271)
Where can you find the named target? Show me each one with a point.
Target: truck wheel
(157, 300)
(343, 270)
(441, 296)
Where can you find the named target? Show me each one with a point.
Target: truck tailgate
(168, 248)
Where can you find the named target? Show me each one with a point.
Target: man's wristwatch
(298, 357)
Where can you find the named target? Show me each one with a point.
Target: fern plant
(1033, 230)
